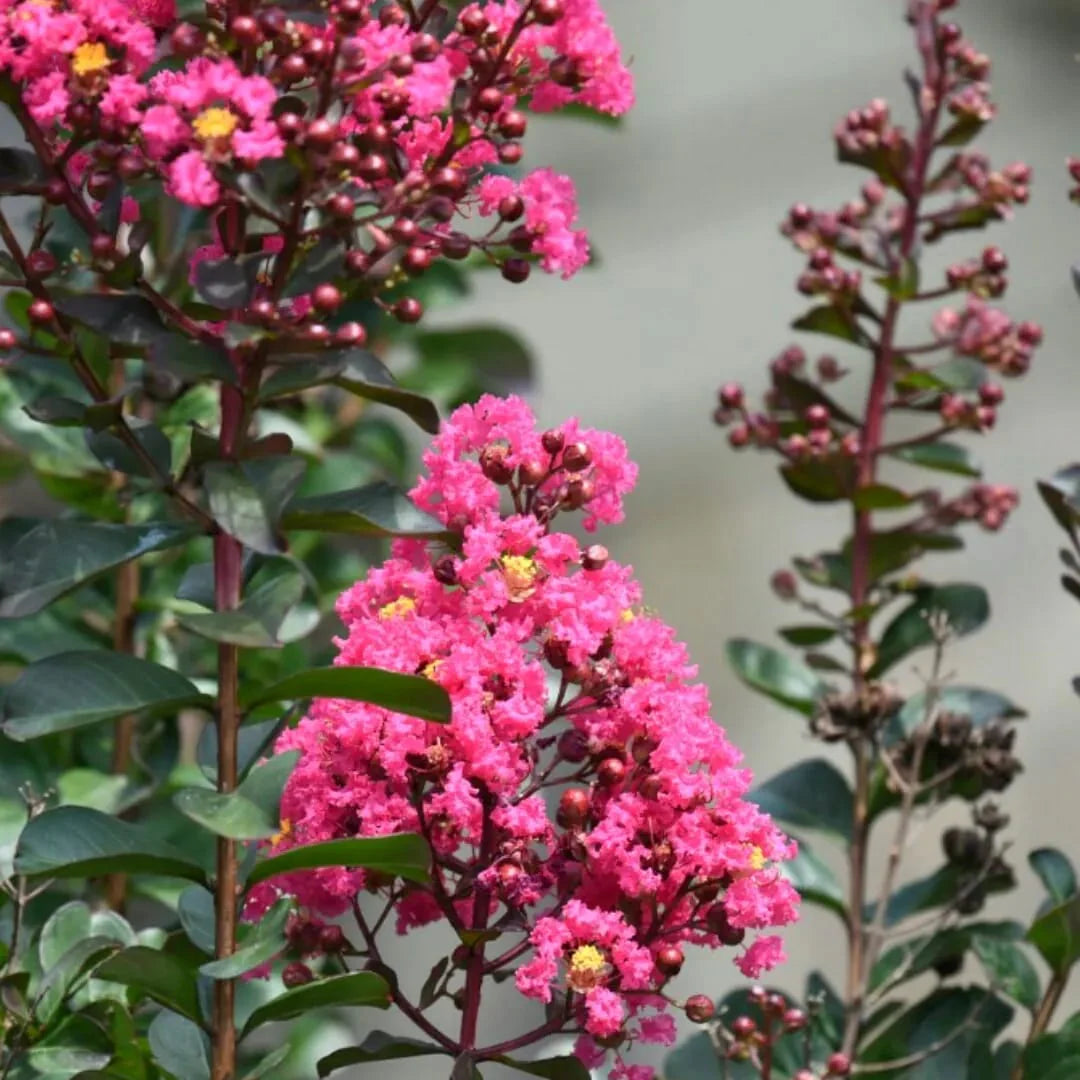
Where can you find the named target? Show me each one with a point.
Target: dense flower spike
(582, 795)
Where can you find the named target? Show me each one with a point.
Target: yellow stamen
(282, 833)
(89, 57)
(397, 608)
(587, 959)
(430, 669)
(626, 615)
(757, 858)
(214, 123)
(520, 574)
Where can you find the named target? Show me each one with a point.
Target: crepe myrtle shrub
(915, 373)
(222, 222)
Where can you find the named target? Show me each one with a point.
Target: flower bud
(784, 584)
(595, 557)
(494, 464)
(573, 808)
(838, 1065)
(669, 960)
(296, 974)
(699, 1008)
(743, 1027)
(576, 457)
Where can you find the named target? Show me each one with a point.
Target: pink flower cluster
(986, 333)
(582, 793)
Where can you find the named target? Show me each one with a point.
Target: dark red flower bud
(595, 557)
(838, 1065)
(40, 312)
(743, 1027)
(408, 310)
(670, 959)
(576, 457)
(326, 297)
(699, 1008)
(573, 807)
(296, 975)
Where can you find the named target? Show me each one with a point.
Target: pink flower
(762, 955)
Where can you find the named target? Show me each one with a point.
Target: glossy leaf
(811, 795)
(404, 855)
(179, 1046)
(375, 510)
(941, 456)
(1055, 872)
(195, 909)
(228, 282)
(377, 1046)
(74, 1045)
(356, 988)
(880, 497)
(246, 498)
(155, 974)
(65, 973)
(807, 636)
(71, 690)
(258, 620)
(55, 557)
(19, 170)
(1008, 969)
(74, 841)
(265, 941)
(566, 1067)
(937, 889)
(830, 320)
(966, 607)
(229, 815)
(367, 376)
(489, 358)
(775, 675)
(290, 379)
(413, 695)
(814, 881)
(1056, 934)
(800, 394)
(117, 456)
(824, 481)
(252, 741)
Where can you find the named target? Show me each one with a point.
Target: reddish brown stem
(474, 973)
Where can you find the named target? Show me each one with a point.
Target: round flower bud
(40, 263)
(40, 312)
(595, 557)
(548, 12)
(332, 939)
(408, 310)
(573, 746)
(795, 1019)
(350, 335)
(7, 340)
(576, 457)
(784, 584)
(669, 960)
(716, 919)
(296, 975)
(326, 297)
(611, 771)
(743, 1027)
(516, 270)
(699, 1008)
(573, 807)
(494, 464)
(445, 570)
(731, 395)
(838, 1065)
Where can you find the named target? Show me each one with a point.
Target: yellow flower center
(757, 858)
(431, 668)
(626, 615)
(282, 833)
(520, 574)
(89, 57)
(587, 959)
(214, 123)
(397, 608)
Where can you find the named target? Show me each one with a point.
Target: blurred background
(736, 104)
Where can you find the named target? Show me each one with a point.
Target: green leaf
(355, 988)
(53, 558)
(155, 974)
(820, 481)
(252, 742)
(180, 1047)
(71, 690)
(73, 841)
(76, 1044)
(368, 377)
(67, 412)
(800, 395)
(966, 607)
(258, 620)
(291, 378)
(404, 855)
(65, 973)
(19, 170)
(1008, 969)
(565, 1067)
(1055, 872)
(229, 815)
(1061, 493)
(980, 704)
(228, 282)
(937, 889)
(377, 1046)
(805, 637)
(196, 911)
(1064, 1070)
(413, 695)
(830, 320)
(775, 675)
(1056, 934)
(266, 941)
(880, 497)
(942, 456)
(811, 795)
(374, 510)
(814, 881)
(490, 358)
(246, 498)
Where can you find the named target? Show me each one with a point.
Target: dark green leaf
(566, 1067)
(830, 320)
(158, 975)
(67, 412)
(196, 911)
(1008, 969)
(246, 499)
(413, 695)
(75, 1044)
(355, 988)
(65, 973)
(368, 377)
(961, 131)
(1056, 934)
(293, 378)
(266, 940)
(1055, 872)
(252, 742)
(814, 881)
(903, 283)
(939, 889)
(55, 557)
(880, 497)
(980, 704)
(74, 841)
(127, 320)
(229, 815)
(377, 1046)
(258, 619)
(180, 1047)
(228, 282)
(491, 358)
(321, 262)
(375, 510)
(799, 395)
(823, 481)
(402, 855)
(265, 783)
(807, 636)
(19, 170)
(431, 984)
(771, 673)
(943, 456)
(70, 690)
(811, 795)
(966, 608)
(1062, 496)
(116, 455)
(1064, 1070)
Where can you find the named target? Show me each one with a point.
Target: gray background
(736, 106)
